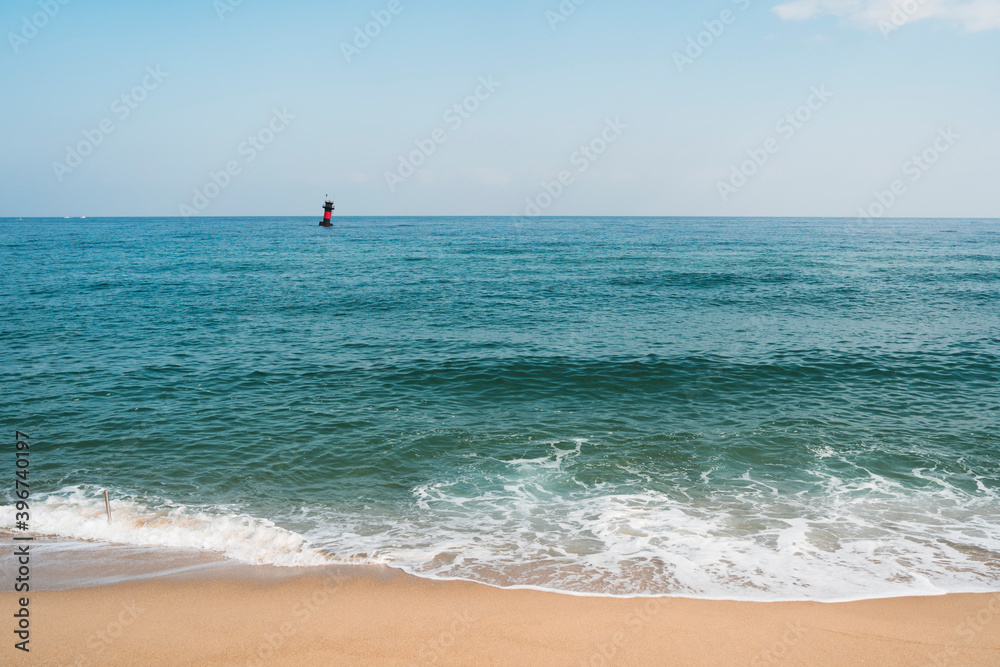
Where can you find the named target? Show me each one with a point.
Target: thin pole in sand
(107, 505)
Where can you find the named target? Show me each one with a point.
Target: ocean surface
(755, 409)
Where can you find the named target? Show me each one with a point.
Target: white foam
(79, 513)
(862, 538)
(531, 523)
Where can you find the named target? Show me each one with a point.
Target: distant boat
(327, 214)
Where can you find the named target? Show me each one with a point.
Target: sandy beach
(384, 617)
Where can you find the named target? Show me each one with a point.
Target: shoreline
(398, 619)
(212, 612)
(64, 563)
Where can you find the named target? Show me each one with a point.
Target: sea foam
(844, 540)
(79, 513)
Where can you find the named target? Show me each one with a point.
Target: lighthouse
(327, 213)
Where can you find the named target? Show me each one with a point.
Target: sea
(745, 409)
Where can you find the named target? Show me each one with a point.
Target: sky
(880, 108)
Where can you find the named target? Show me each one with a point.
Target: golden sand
(400, 620)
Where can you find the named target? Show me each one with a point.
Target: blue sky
(666, 136)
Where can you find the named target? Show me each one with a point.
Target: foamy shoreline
(95, 603)
(637, 558)
(240, 614)
(61, 563)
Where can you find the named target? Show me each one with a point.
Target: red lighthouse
(327, 213)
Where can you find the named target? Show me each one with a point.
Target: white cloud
(971, 15)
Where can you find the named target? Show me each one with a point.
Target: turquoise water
(746, 409)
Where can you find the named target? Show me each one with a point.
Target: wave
(534, 523)
(78, 513)
(523, 378)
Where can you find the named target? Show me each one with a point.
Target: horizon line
(487, 216)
